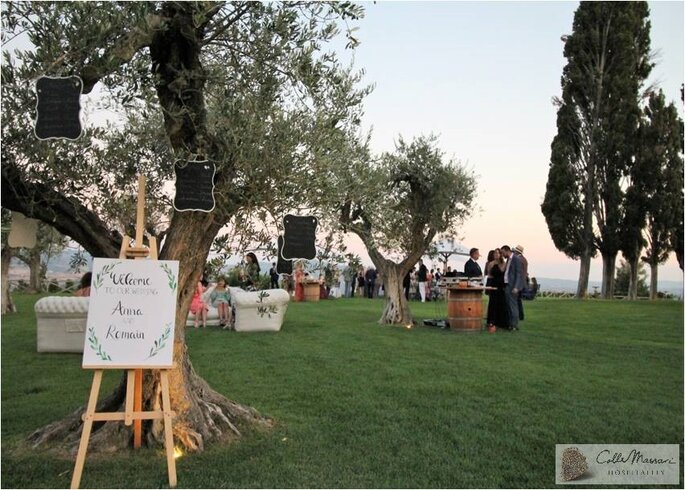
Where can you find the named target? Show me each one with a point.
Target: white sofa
(255, 311)
(61, 323)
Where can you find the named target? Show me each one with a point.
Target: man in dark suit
(471, 267)
(370, 282)
(514, 281)
(518, 251)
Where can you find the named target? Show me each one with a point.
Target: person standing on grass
(360, 283)
(406, 283)
(299, 277)
(348, 282)
(422, 275)
(514, 282)
(273, 274)
(498, 309)
(353, 281)
(518, 251)
(251, 272)
(370, 281)
(471, 267)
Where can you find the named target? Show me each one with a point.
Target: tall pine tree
(608, 60)
(662, 154)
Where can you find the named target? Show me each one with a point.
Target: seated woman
(84, 285)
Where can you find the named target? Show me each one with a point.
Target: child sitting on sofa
(221, 300)
(198, 307)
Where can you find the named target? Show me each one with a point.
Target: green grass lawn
(361, 405)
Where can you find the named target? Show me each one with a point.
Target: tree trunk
(587, 235)
(35, 271)
(653, 281)
(202, 414)
(584, 275)
(7, 303)
(396, 309)
(632, 283)
(608, 275)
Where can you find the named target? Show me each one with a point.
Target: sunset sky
(482, 75)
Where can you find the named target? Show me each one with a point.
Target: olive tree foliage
(252, 87)
(397, 204)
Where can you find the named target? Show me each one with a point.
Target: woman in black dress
(498, 314)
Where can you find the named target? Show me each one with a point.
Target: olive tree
(397, 204)
(247, 85)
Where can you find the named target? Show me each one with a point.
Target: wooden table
(465, 308)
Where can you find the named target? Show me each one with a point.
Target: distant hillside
(569, 285)
(60, 265)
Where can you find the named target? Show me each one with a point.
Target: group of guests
(422, 283)
(506, 271)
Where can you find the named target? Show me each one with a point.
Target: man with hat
(514, 282)
(518, 250)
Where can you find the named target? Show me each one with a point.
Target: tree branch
(123, 52)
(68, 216)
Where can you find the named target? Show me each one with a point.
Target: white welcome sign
(131, 314)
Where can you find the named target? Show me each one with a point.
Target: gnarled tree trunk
(35, 271)
(7, 303)
(396, 310)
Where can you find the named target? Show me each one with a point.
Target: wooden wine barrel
(465, 309)
(311, 291)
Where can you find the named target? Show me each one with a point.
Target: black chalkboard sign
(299, 237)
(283, 266)
(58, 108)
(194, 186)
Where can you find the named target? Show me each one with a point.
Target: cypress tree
(608, 60)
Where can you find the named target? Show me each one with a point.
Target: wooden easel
(132, 413)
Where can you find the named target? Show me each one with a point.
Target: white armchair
(61, 323)
(258, 311)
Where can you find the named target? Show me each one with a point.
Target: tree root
(202, 416)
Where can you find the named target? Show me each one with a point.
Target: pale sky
(482, 75)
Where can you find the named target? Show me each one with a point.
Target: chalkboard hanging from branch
(283, 266)
(58, 108)
(299, 237)
(194, 186)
